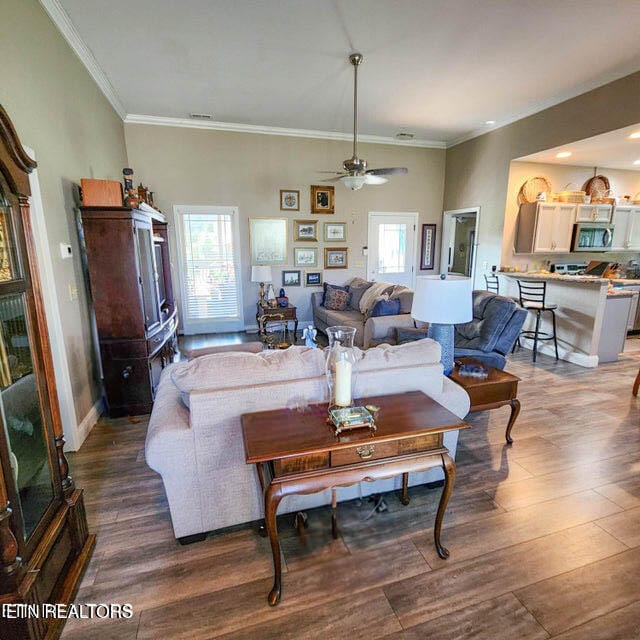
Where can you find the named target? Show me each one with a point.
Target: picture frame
(268, 241)
(289, 200)
(291, 278)
(428, 247)
(305, 257)
(313, 278)
(335, 231)
(336, 257)
(305, 230)
(322, 198)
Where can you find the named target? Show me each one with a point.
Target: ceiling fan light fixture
(353, 182)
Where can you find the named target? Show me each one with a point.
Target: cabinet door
(633, 234)
(585, 213)
(621, 224)
(603, 213)
(545, 221)
(148, 283)
(563, 228)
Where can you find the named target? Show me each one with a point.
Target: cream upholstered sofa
(198, 450)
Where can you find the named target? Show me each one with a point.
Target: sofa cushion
(347, 317)
(336, 299)
(376, 290)
(237, 369)
(357, 287)
(405, 295)
(384, 307)
(325, 285)
(409, 334)
(384, 356)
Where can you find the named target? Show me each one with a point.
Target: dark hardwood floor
(544, 537)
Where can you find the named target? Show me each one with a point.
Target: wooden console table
(498, 389)
(296, 452)
(264, 315)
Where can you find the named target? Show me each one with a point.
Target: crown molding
(66, 27)
(237, 127)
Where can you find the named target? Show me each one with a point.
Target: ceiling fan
(355, 173)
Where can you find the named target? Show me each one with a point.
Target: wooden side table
(497, 390)
(298, 453)
(264, 315)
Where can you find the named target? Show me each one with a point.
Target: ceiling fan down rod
(355, 59)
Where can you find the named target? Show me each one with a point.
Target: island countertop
(555, 277)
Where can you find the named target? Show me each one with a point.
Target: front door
(392, 247)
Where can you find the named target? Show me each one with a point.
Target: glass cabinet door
(148, 275)
(23, 420)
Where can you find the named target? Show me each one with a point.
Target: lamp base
(443, 335)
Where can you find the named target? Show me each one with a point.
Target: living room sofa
(194, 438)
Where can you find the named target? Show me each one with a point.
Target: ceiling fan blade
(336, 179)
(388, 171)
(374, 180)
(335, 173)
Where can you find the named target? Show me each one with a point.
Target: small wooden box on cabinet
(127, 254)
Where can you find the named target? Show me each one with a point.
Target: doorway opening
(460, 241)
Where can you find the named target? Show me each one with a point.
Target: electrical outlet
(73, 291)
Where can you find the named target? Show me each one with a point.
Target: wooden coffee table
(497, 390)
(296, 452)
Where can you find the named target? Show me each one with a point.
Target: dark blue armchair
(491, 334)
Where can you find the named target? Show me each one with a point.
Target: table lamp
(443, 301)
(261, 274)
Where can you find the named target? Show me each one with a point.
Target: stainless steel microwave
(592, 236)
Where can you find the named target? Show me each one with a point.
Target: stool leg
(555, 339)
(535, 336)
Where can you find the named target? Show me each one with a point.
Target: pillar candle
(343, 383)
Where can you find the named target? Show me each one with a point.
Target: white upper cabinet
(545, 227)
(626, 229)
(593, 213)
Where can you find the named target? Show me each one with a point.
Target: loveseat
(194, 438)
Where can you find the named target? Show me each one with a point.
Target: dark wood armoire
(44, 543)
(127, 254)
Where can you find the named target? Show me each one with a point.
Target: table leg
(449, 467)
(636, 384)
(262, 529)
(295, 329)
(272, 499)
(334, 514)
(515, 411)
(404, 498)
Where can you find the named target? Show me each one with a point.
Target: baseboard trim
(575, 357)
(87, 423)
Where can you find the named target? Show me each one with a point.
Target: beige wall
(197, 167)
(477, 171)
(622, 182)
(59, 112)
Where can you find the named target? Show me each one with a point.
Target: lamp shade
(261, 274)
(443, 301)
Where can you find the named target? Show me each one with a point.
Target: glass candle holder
(340, 366)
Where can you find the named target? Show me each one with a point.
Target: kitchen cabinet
(626, 231)
(593, 213)
(545, 227)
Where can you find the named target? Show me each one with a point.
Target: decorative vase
(340, 366)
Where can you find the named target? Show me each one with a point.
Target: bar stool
(533, 294)
(492, 284)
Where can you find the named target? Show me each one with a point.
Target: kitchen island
(588, 317)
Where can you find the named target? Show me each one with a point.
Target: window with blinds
(210, 274)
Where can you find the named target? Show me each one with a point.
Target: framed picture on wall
(289, 200)
(268, 241)
(335, 257)
(305, 230)
(428, 246)
(335, 231)
(321, 199)
(290, 278)
(305, 257)
(313, 278)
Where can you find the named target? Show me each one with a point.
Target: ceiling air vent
(404, 136)
(201, 116)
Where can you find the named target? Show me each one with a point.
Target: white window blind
(210, 267)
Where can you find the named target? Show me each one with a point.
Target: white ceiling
(435, 68)
(613, 150)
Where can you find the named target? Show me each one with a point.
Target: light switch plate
(66, 251)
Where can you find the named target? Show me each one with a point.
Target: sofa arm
(316, 300)
(381, 327)
(250, 347)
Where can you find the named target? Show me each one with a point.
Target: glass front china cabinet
(44, 543)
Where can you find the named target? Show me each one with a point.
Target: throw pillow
(335, 286)
(357, 287)
(405, 295)
(409, 334)
(336, 299)
(376, 290)
(385, 307)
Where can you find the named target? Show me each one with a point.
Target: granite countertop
(556, 277)
(626, 282)
(619, 293)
